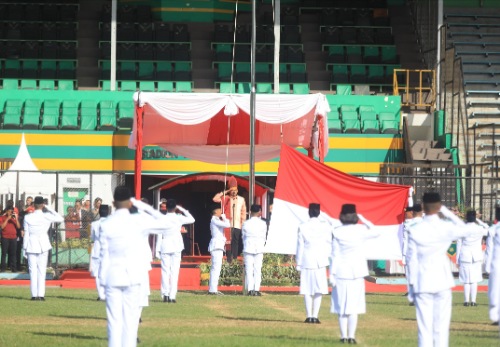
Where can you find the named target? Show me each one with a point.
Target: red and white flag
(302, 180)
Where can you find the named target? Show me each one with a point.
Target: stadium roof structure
(215, 127)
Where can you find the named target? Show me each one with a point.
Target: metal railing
(417, 88)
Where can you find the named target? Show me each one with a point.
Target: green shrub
(277, 270)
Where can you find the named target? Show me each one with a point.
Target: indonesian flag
(302, 180)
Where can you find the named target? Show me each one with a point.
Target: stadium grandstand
(413, 88)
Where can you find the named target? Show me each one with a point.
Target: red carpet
(189, 279)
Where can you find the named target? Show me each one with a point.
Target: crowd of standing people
(329, 253)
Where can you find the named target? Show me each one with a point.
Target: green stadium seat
(51, 113)
(389, 55)
(244, 88)
(358, 74)
(147, 86)
(367, 112)
(370, 126)
(336, 54)
(264, 88)
(127, 70)
(48, 69)
(146, 71)
(301, 88)
(126, 110)
(284, 88)
(12, 68)
(105, 67)
(348, 107)
(46, 84)
(375, 74)
(227, 87)
(224, 71)
(12, 115)
(66, 70)
(128, 86)
(69, 115)
(242, 72)
(30, 69)
(383, 116)
(388, 123)
(340, 74)
(28, 84)
(65, 85)
(9, 83)
(353, 54)
(352, 126)
(262, 72)
(31, 118)
(33, 103)
(182, 71)
(183, 87)
(88, 115)
(334, 126)
(344, 89)
(107, 115)
(298, 73)
(14, 103)
(389, 73)
(371, 55)
(165, 86)
(164, 71)
(106, 85)
(334, 113)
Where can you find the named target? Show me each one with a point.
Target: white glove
(157, 255)
(298, 267)
(333, 282)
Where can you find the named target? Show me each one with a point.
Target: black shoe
(166, 298)
(308, 320)
(140, 319)
(466, 304)
(98, 299)
(251, 293)
(316, 321)
(473, 304)
(405, 294)
(173, 301)
(257, 293)
(412, 304)
(344, 340)
(41, 298)
(352, 341)
(33, 298)
(138, 341)
(494, 323)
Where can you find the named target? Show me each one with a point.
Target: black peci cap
(122, 193)
(348, 208)
(255, 208)
(470, 216)
(431, 197)
(417, 208)
(38, 200)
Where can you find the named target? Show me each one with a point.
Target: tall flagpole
(251, 170)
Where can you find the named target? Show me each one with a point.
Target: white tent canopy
(24, 170)
(214, 127)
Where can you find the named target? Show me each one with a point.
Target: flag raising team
(122, 277)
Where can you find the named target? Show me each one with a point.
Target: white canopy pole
(113, 44)
(251, 170)
(277, 41)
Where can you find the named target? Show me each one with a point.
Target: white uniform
(429, 240)
(122, 272)
(254, 239)
(349, 268)
(494, 280)
(36, 245)
(492, 231)
(409, 260)
(95, 260)
(170, 245)
(216, 248)
(314, 243)
(470, 254)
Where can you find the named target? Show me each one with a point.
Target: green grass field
(72, 317)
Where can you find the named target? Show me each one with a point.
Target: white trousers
(215, 270)
(433, 318)
(170, 266)
(122, 310)
(37, 265)
(253, 270)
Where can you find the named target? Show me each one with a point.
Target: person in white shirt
(216, 247)
(470, 258)
(170, 245)
(36, 245)
(95, 261)
(492, 269)
(313, 246)
(121, 271)
(348, 268)
(410, 260)
(404, 248)
(254, 239)
(429, 240)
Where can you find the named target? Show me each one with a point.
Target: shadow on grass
(72, 298)
(290, 338)
(70, 335)
(77, 317)
(259, 319)
(16, 297)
